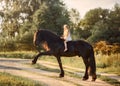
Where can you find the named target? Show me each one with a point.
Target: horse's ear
(37, 30)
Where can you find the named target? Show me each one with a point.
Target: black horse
(54, 45)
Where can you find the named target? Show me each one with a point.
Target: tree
(99, 32)
(25, 16)
(114, 17)
(74, 25)
(15, 13)
(52, 15)
(102, 31)
(103, 24)
(93, 16)
(74, 16)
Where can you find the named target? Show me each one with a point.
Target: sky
(85, 5)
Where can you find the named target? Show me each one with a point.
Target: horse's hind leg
(94, 77)
(92, 67)
(85, 77)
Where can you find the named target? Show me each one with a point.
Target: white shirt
(67, 35)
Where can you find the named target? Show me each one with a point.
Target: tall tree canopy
(93, 16)
(16, 14)
(23, 17)
(51, 15)
(104, 24)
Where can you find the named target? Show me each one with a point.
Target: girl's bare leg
(65, 43)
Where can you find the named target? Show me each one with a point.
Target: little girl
(66, 35)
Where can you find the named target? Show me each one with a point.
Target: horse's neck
(52, 38)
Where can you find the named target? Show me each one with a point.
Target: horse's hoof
(61, 75)
(33, 62)
(85, 78)
(93, 79)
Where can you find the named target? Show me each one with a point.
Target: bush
(106, 48)
(27, 38)
(7, 45)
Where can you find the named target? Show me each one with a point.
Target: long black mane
(49, 35)
(49, 39)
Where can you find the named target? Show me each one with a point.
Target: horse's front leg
(60, 65)
(40, 54)
(35, 59)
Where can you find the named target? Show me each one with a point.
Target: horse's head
(36, 38)
(42, 36)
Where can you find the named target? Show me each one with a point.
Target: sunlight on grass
(104, 63)
(18, 54)
(108, 64)
(10, 80)
(72, 74)
(68, 61)
(110, 81)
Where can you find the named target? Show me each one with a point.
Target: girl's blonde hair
(66, 26)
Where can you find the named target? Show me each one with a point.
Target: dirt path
(19, 68)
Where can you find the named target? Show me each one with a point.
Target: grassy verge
(69, 73)
(68, 61)
(18, 54)
(72, 74)
(55, 70)
(108, 64)
(110, 81)
(11, 80)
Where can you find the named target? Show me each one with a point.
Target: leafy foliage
(103, 24)
(94, 16)
(21, 18)
(105, 48)
(25, 16)
(51, 15)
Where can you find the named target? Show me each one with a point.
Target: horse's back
(79, 43)
(80, 47)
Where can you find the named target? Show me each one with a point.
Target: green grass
(72, 74)
(11, 80)
(108, 64)
(18, 54)
(68, 73)
(38, 66)
(104, 63)
(68, 61)
(110, 81)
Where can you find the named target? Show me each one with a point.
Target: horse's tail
(92, 63)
